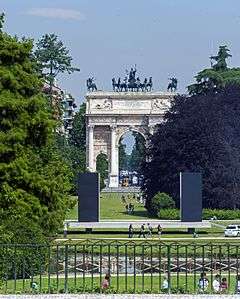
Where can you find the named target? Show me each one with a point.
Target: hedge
(173, 214)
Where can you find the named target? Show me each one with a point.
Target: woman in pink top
(106, 282)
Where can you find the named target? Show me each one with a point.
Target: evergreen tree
(138, 154)
(53, 58)
(217, 77)
(34, 180)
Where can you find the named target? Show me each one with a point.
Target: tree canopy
(200, 133)
(53, 57)
(34, 179)
(218, 76)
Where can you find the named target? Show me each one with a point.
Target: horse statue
(116, 84)
(124, 85)
(172, 86)
(91, 86)
(149, 84)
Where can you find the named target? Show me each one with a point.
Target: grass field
(121, 284)
(111, 207)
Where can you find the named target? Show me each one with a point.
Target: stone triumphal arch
(109, 115)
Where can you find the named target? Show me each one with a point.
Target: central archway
(132, 153)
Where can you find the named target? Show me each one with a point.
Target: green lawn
(111, 207)
(122, 284)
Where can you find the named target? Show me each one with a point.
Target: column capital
(91, 126)
(113, 127)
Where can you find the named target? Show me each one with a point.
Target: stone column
(113, 177)
(90, 148)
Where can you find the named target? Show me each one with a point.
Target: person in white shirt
(165, 284)
(216, 284)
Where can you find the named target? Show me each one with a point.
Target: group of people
(144, 232)
(219, 284)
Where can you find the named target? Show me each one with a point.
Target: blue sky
(163, 37)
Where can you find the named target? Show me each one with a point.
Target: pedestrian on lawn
(150, 229)
(130, 231)
(142, 231)
(159, 230)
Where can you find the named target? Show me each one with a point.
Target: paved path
(130, 296)
(152, 239)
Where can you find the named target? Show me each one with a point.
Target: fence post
(169, 267)
(66, 270)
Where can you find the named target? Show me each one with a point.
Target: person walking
(142, 231)
(130, 231)
(159, 230)
(149, 230)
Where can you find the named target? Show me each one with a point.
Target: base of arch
(113, 181)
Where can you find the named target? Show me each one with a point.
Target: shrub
(174, 214)
(160, 201)
(166, 214)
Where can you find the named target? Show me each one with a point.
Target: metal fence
(134, 267)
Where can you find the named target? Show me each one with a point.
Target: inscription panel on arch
(131, 104)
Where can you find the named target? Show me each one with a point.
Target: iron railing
(134, 267)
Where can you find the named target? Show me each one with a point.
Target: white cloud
(56, 13)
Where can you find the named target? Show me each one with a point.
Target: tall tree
(138, 154)
(123, 157)
(218, 76)
(53, 58)
(34, 180)
(200, 133)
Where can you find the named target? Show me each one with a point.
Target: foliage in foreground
(34, 179)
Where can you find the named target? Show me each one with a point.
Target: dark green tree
(138, 154)
(53, 58)
(217, 77)
(102, 168)
(200, 133)
(34, 180)
(123, 156)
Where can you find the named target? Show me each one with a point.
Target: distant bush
(160, 201)
(174, 214)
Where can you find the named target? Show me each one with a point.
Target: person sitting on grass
(238, 284)
(203, 282)
(216, 283)
(165, 285)
(106, 282)
(224, 285)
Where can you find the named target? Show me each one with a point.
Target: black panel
(191, 196)
(88, 197)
